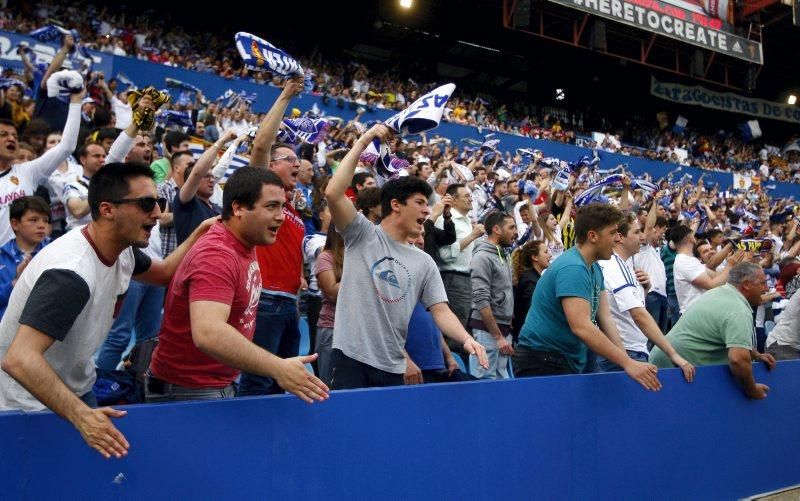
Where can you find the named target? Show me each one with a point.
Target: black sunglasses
(147, 204)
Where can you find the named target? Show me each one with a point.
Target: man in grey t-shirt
(383, 279)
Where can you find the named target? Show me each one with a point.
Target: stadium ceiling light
(406, 4)
(792, 99)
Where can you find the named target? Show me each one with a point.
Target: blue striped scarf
(260, 55)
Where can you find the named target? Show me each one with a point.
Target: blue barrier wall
(570, 437)
(146, 73)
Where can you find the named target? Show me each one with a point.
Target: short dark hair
(112, 182)
(107, 133)
(453, 189)
(678, 233)
(480, 167)
(401, 189)
(661, 222)
(6, 121)
(360, 178)
(20, 206)
(697, 245)
(495, 218)
(244, 187)
(179, 154)
(174, 138)
(277, 145)
(594, 217)
(368, 198)
(625, 224)
(713, 232)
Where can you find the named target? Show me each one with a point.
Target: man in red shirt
(281, 264)
(210, 311)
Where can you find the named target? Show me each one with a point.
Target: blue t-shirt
(546, 327)
(188, 216)
(423, 343)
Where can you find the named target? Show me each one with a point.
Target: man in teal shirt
(570, 303)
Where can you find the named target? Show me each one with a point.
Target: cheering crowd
(158, 39)
(413, 259)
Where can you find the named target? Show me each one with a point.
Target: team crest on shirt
(391, 279)
(14, 179)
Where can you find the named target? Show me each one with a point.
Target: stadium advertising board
(696, 95)
(671, 20)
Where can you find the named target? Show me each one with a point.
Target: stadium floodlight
(792, 99)
(560, 94)
(406, 4)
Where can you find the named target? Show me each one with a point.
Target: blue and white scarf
(81, 59)
(310, 130)
(173, 83)
(260, 55)
(123, 82)
(594, 192)
(422, 115)
(172, 117)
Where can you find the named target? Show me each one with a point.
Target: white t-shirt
(649, 260)
(22, 179)
(686, 269)
(624, 294)
(787, 330)
(70, 293)
(77, 189)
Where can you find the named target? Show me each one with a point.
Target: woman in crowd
(529, 262)
(329, 275)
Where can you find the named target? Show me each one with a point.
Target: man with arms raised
(210, 318)
(66, 299)
(384, 279)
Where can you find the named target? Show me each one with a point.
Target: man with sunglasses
(66, 299)
(281, 264)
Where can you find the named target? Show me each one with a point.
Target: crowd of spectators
(158, 40)
(511, 262)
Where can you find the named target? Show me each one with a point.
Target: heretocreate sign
(673, 22)
(696, 95)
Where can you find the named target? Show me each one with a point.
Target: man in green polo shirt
(569, 311)
(718, 329)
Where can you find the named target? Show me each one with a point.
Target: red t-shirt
(217, 268)
(282, 262)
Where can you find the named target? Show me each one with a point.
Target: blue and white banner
(424, 114)
(260, 55)
(696, 95)
(43, 52)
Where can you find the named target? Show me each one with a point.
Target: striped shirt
(169, 239)
(668, 256)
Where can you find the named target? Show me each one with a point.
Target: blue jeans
(674, 311)
(658, 308)
(607, 365)
(498, 363)
(277, 332)
(140, 312)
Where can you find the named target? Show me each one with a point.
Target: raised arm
(342, 210)
(58, 59)
(42, 167)
(201, 168)
(268, 129)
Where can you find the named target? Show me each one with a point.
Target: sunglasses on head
(147, 204)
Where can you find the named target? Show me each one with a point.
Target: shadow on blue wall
(570, 437)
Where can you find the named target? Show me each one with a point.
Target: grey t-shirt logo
(391, 279)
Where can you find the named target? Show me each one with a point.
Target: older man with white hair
(718, 329)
